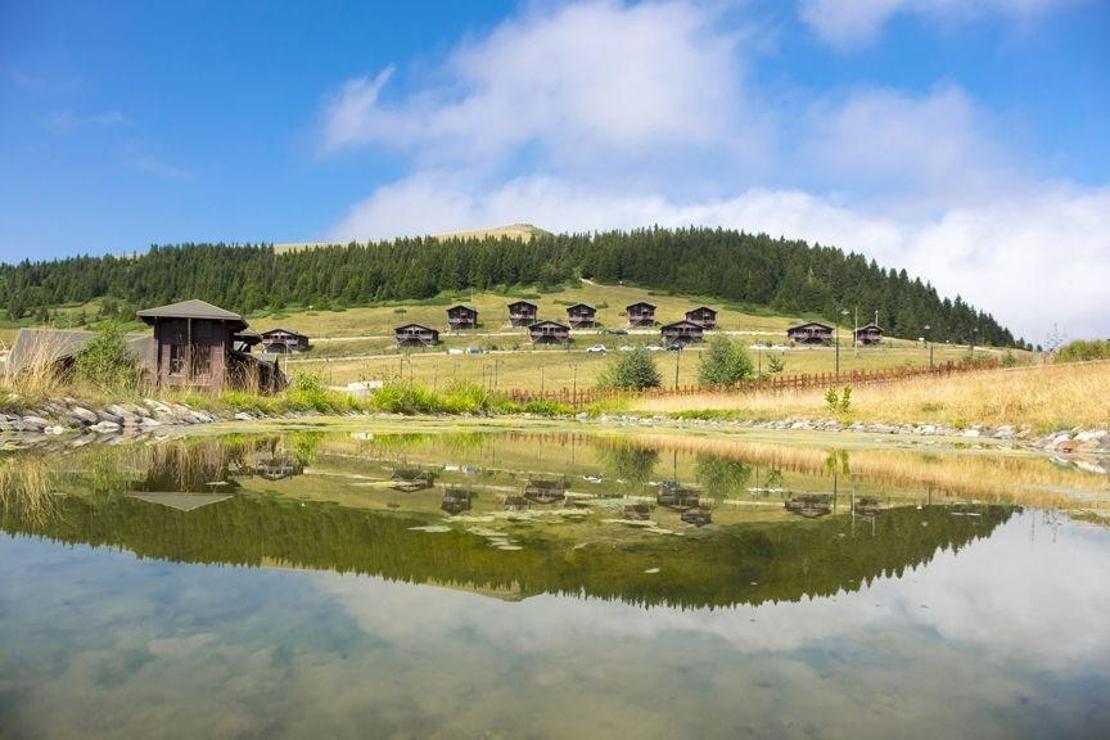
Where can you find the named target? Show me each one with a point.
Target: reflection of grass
(26, 484)
(1048, 397)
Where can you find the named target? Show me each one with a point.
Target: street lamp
(842, 312)
(930, 343)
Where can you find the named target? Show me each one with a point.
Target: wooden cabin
(581, 316)
(640, 313)
(522, 313)
(462, 317)
(456, 501)
(682, 332)
(810, 332)
(704, 316)
(549, 332)
(408, 480)
(870, 334)
(697, 516)
(545, 491)
(283, 341)
(202, 346)
(415, 335)
(637, 512)
(810, 505)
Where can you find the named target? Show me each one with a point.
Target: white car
(654, 348)
(596, 348)
(627, 348)
(454, 351)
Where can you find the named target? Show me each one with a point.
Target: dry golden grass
(1044, 396)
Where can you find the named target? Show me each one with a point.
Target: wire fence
(578, 397)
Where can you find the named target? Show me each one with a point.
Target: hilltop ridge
(522, 231)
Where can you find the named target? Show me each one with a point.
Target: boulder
(105, 427)
(35, 423)
(83, 415)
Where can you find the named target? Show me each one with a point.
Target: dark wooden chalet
(408, 480)
(456, 501)
(545, 491)
(282, 341)
(697, 516)
(581, 316)
(810, 332)
(682, 332)
(522, 313)
(203, 346)
(640, 313)
(549, 332)
(810, 505)
(415, 335)
(462, 317)
(704, 316)
(870, 334)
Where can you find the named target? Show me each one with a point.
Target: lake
(506, 584)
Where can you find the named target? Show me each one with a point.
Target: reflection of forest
(738, 564)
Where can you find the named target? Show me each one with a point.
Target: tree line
(746, 270)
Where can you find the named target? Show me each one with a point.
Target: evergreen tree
(724, 361)
(633, 370)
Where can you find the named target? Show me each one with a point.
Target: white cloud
(580, 81)
(848, 24)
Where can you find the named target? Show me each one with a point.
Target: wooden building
(682, 332)
(522, 313)
(415, 335)
(202, 346)
(870, 334)
(581, 316)
(545, 491)
(810, 332)
(283, 341)
(640, 313)
(456, 501)
(462, 317)
(810, 505)
(549, 332)
(704, 316)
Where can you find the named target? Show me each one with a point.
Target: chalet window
(177, 359)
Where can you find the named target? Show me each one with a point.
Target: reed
(1043, 396)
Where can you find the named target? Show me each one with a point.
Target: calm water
(505, 585)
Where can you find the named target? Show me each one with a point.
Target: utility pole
(677, 355)
(855, 332)
(929, 342)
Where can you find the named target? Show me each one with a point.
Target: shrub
(1081, 350)
(776, 365)
(725, 361)
(633, 370)
(105, 362)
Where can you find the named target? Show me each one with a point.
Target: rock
(126, 416)
(243, 416)
(971, 433)
(35, 423)
(148, 422)
(582, 416)
(1097, 435)
(105, 427)
(83, 415)
(104, 415)
(55, 430)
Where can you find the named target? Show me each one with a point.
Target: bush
(725, 361)
(106, 363)
(1082, 350)
(633, 370)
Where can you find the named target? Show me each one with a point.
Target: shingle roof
(192, 309)
(34, 346)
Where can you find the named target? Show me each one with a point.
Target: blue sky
(958, 139)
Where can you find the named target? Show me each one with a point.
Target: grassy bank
(1043, 396)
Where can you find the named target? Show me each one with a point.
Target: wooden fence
(775, 384)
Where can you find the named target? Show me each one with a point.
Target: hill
(788, 277)
(522, 232)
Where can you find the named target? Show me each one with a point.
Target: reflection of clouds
(108, 645)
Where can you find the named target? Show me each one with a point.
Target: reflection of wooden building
(456, 501)
(549, 332)
(682, 332)
(412, 479)
(516, 503)
(640, 313)
(870, 334)
(810, 505)
(581, 316)
(522, 313)
(810, 332)
(545, 491)
(462, 317)
(637, 512)
(282, 341)
(277, 467)
(415, 335)
(703, 316)
(697, 516)
(867, 506)
(674, 496)
(195, 345)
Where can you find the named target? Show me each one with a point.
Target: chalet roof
(50, 345)
(870, 325)
(414, 326)
(181, 501)
(549, 322)
(581, 305)
(522, 303)
(683, 322)
(463, 306)
(645, 304)
(192, 309)
(804, 324)
(268, 332)
(703, 308)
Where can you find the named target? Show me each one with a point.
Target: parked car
(654, 348)
(673, 347)
(616, 330)
(474, 350)
(454, 351)
(626, 348)
(596, 348)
